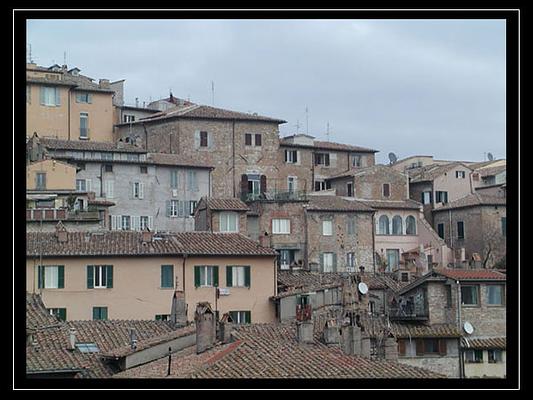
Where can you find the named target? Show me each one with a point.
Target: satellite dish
(392, 158)
(363, 288)
(490, 157)
(467, 326)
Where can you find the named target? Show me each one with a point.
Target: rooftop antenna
(64, 58)
(392, 158)
(297, 125)
(29, 54)
(490, 157)
(212, 92)
(327, 131)
(306, 120)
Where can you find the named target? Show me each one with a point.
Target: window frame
(388, 186)
(502, 295)
(326, 222)
(277, 223)
(477, 291)
(460, 230)
(163, 283)
(84, 116)
(225, 218)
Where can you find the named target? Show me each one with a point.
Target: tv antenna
(29, 54)
(297, 126)
(64, 58)
(490, 157)
(392, 158)
(212, 92)
(306, 120)
(327, 131)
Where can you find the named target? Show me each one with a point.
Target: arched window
(397, 225)
(383, 225)
(410, 225)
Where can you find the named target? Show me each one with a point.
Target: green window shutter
(248, 318)
(215, 275)
(103, 313)
(167, 276)
(60, 276)
(247, 276)
(90, 276)
(321, 262)
(334, 262)
(96, 313)
(229, 276)
(40, 276)
(62, 314)
(109, 272)
(196, 276)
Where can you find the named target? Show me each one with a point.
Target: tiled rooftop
(470, 274)
(400, 330)
(472, 200)
(407, 204)
(430, 172)
(227, 204)
(484, 343)
(317, 144)
(336, 203)
(87, 145)
(130, 244)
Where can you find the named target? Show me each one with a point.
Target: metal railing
(408, 311)
(276, 195)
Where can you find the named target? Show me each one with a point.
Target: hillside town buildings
(174, 224)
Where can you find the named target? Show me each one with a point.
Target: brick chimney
(147, 236)
(225, 328)
(204, 318)
(178, 314)
(331, 333)
(104, 84)
(391, 349)
(61, 233)
(351, 340)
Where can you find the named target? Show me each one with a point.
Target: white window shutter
(110, 189)
(141, 190)
(58, 97)
(151, 223)
(113, 222)
(136, 223)
(132, 185)
(196, 139)
(88, 185)
(209, 140)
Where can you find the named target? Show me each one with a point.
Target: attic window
(87, 347)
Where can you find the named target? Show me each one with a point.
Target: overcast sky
(411, 87)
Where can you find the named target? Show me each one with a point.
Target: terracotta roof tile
(392, 204)
(87, 145)
(336, 203)
(430, 172)
(227, 204)
(317, 144)
(375, 326)
(484, 343)
(472, 200)
(470, 274)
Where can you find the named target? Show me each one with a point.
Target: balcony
(408, 312)
(276, 195)
(60, 214)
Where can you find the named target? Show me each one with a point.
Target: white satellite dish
(467, 326)
(363, 288)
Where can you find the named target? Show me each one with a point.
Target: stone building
(63, 104)
(475, 227)
(149, 190)
(472, 300)
(133, 275)
(242, 148)
(221, 215)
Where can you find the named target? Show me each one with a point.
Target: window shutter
(321, 262)
(60, 276)
(442, 347)
(196, 276)
(263, 184)
(141, 190)
(327, 159)
(181, 206)
(286, 155)
(62, 314)
(88, 185)
(334, 262)
(209, 140)
(244, 185)
(89, 98)
(103, 313)
(296, 155)
(196, 139)
(41, 95)
(401, 347)
(132, 190)
(151, 223)
(96, 314)
(248, 318)
(40, 276)
(58, 97)
(419, 347)
(90, 276)
(109, 273)
(215, 276)
(258, 139)
(229, 276)
(422, 200)
(247, 277)
(113, 222)
(168, 208)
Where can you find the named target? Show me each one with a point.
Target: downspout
(461, 355)
(374, 241)
(451, 236)
(306, 239)
(68, 112)
(233, 155)
(145, 137)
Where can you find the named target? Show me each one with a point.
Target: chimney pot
(72, 339)
(104, 83)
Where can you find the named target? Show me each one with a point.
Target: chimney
(351, 340)
(225, 328)
(205, 327)
(178, 315)
(391, 349)
(104, 84)
(147, 235)
(331, 333)
(264, 240)
(133, 338)
(72, 339)
(361, 269)
(365, 346)
(61, 233)
(304, 331)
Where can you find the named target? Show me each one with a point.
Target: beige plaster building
(50, 175)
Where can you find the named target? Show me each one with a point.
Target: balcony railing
(408, 311)
(57, 214)
(276, 195)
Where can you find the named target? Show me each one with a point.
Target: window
(393, 259)
(28, 94)
(460, 174)
(51, 276)
(286, 258)
(206, 276)
(203, 139)
(328, 262)
(327, 227)
(192, 207)
(322, 185)
(349, 189)
(291, 156)
(126, 223)
(383, 228)
(248, 139)
(174, 179)
(84, 125)
(167, 276)
(192, 181)
(473, 356)
(386, 190)
(431, 346)
(350, 260)
(258, 139)
(229, 222)
(100, 313)
(138, 190)
(108, 168)
(356, 160)
(322, 159)
(162, 317)
(107, 156)
(410, 225)
(129, 118)
(426, 197)
(83, 97)
(441, 197)
(99, 276)
(448, 296)
(109, 188)
(45, 204)
(60, 313)
(254, 187)
(494, 356)
(440, 230)
(50, 96)
(144, 223)
(144, 169)
(132, 157)
(504, 226)
(350, 226)
(237, 276)
(90, 347)
(40, 181)
(469, 295)
(397, 225)
(281, 226)
(292, 184)
(495, 295)
(241, 317)
(173, 208)
(460, 230)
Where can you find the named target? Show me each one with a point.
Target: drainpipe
(306, 239)
(233, 154)
(461, 355)
(374, 241)
(68, 111)
(145, 136)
